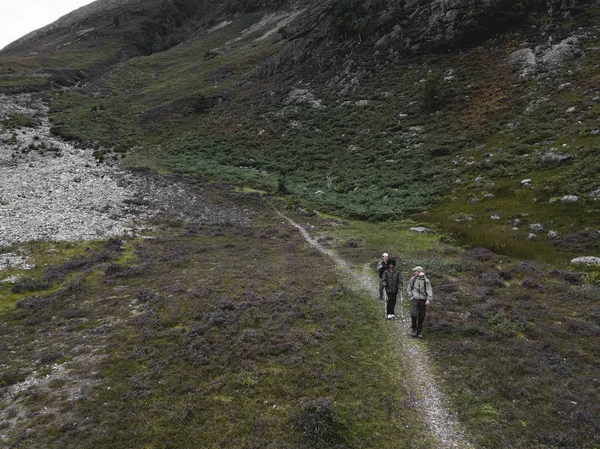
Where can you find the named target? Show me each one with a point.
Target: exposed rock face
(532, 61)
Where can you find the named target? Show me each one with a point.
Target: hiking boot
(414, 333)
(420, 335)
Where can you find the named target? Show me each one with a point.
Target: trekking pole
(385, 305)
(401, 307)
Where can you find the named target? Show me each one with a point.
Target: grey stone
(555, 157)
(586, 260)
(569, 199)
(536, 227)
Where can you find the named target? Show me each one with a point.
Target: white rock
(536, 227)
(586, 260)
(569, 199)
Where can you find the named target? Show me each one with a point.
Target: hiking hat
(418, 268)
(384, 255)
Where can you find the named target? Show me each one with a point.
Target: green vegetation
(17, 121)
(238, 334)
(223, 333)
(508, 336)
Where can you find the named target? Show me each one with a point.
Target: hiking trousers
(417, 314)
(391, 302)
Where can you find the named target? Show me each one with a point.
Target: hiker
(382, 266)
(420, 295)
(392, 281)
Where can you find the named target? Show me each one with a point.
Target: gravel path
(430, 400)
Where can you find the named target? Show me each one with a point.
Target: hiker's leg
(414, 313)
(381, 288)
(422, 308)
(391, 303)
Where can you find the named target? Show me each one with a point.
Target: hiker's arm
(429, 291)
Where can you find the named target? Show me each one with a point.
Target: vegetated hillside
(236, 333)
(373, 110)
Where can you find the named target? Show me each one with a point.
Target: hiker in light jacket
(420, 295)
(392, 281)
(382, 266)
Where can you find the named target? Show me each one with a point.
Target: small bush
(34, 302)
(318, 422)
(147, 295)
(8, 378)
(593, 277)
(503, 325)
(29, 285)
(431, 91)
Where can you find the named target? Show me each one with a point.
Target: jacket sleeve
(409, 288)
(429, 290)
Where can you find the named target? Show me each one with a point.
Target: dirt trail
(445, 430)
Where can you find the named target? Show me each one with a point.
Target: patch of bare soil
(427, 395)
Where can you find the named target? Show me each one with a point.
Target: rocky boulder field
(52, 190)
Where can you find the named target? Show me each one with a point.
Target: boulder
(569, 199)
(595, 194)
(552, 156)
(536, 227)
(586, 260)
(420, 230)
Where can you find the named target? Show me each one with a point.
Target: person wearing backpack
(420, 295)
(392, 281)
(382, 266)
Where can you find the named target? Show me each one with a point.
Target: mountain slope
(375, 110)
(225, 328)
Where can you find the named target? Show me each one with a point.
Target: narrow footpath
(432, 405)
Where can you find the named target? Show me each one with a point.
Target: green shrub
(349, 18)
(503, 325)
(431, 91)
(318, 421)
(593, 277)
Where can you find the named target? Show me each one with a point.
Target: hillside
(146, 147)
(346, 108)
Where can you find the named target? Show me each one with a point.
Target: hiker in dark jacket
(392, 281)
(382, 266)
(420, 295)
